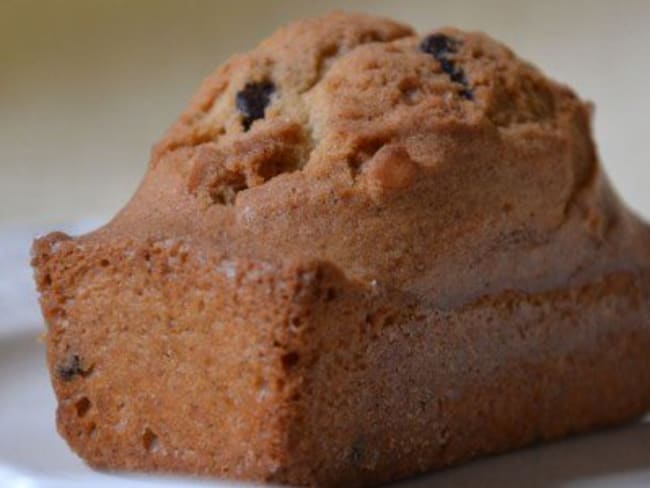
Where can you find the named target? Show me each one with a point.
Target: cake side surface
(164, 357)
(402, 389)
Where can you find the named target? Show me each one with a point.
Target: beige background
(86, 86)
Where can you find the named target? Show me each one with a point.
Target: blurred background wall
(86, 86)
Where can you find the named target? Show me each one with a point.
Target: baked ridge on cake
(360, 254)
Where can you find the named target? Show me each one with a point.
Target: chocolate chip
(72, 367)
(440, 46)
(448, 67)
(467, 94)
(458, 77)
(357, 452)
(69, 368)
(252, 100)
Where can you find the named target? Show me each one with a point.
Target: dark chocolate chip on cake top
(252, 100)
(440, 47)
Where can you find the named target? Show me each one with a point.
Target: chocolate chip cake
(360, 254)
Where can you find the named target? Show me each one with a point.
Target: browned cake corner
(359, 255)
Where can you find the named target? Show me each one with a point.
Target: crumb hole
(82, 405)
(150, 440)
(507, 207)
(104, 263)
(290, 359)
(410, 89)
(365, 151)
(271, 168)
(296, 322)
(224, 192)
(330, 295)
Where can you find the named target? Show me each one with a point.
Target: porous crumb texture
(360, 254)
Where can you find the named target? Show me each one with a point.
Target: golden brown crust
(157, 335)
(516, 161)
(359, 254)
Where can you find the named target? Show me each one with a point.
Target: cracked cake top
(412, 160)
(327, 94)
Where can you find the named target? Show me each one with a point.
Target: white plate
(33, 455)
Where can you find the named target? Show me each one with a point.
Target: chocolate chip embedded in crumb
(438, 45)
(467, 94)
(356, 453)
(252, 100)
(71, 367)
(449, 68)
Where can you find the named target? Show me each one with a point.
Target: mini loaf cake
(359, 255)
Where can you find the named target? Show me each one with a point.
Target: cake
(360, 254)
